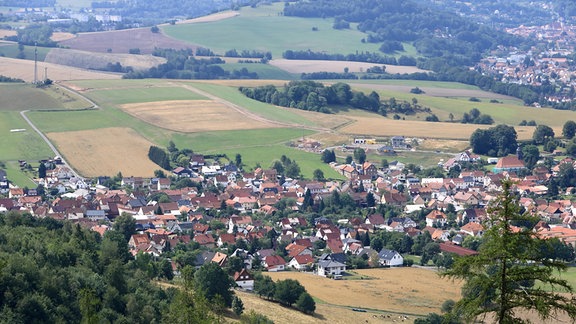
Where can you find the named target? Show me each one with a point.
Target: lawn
(18, 177)
(264, 29)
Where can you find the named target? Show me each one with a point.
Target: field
(23, 145)
(24, 69)
(263, 29)
(307, 66)
(100, 61)
(411, 291)
(28, 97)
(106, 152)
(192, 116)
(121, 41)
(265, 71)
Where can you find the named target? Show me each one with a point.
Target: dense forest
(55, 272)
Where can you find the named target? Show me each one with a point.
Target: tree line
(287, 292)
(356, 57)
(313, 96)
(181, 64)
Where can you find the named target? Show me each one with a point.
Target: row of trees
(159, 156)
(314, 96)
(355, 57)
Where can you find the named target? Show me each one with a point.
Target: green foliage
(237, 306)
(255, 318)
(509, 272)
(542, 134)
(288, 291)
(159, 156)
(213, 283)
(569, 129)
(126, 225)
(36, 34)
(328, 156)
(495, 141)
(360, 155)
(306, 303)
(530, 155)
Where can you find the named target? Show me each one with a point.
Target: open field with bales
(192, 116)
(24, 69)
(410, 291)
(106, 152)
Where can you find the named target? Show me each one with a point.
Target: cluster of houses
(185, 217)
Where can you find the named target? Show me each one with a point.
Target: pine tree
(237, 306)
(510, 273)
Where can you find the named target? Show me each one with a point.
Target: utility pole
(35, 62)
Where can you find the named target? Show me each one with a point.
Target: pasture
(412, 291)
(192, 116)
(106, 152)
(23, 145)
(129, 94)
(264, 29)
(28, 97)
(265, 71)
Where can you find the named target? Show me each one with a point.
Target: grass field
(106, 152)
(28, 97)
(12, 51)
(265, 71)
(25, 145)
(263, 29)
(141, 94)
(411, 291)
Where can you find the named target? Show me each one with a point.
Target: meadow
(265, 71)
(264, 29)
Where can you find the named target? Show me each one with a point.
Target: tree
(349, 159)
(265, 287)
(318, 175)
(569, 129)
(306, 303)
(501, 279)
(125, 224)
(360, 155)
(531, 155)
(542, 134)
(42, 170)
(288, 291)
(237, 306)
(370, 200)
(328, 156)
(212, 281)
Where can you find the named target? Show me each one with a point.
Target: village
(261, 220)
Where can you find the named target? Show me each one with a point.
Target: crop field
(265, 71)
(26, 97)
(121, 41)
(100, 61)
(24, 69)
(106, 152)
(192, 116)
(307, 66)
(263, 29)
(412, 291)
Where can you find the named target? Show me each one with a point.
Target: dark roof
(387, 254)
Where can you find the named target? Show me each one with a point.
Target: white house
(390, 258)
(330, 267)
(244, 280)
(301, 262)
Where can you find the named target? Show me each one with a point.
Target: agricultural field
(24, 69)
(20, 145)
(28, 97)
(265, 71)
(307, 66)
(121, 41)
(409, 291)
(100, 61)
(106, 152)
(263, 29)
(129, 93)
(192, 116)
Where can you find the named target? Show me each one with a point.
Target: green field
(263, 29)
(28, 97)
(24, 145)
(265, 71)
(144, 94)
(13, 51)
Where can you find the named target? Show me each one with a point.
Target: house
(390, 258)
(398, 142)
(436, 217)
(509, 163)
(244, 280)
(376, 220)
(274, 263)
(473, 229)
(220, 259)
(330, 268)
(205, 240)
(301, 262)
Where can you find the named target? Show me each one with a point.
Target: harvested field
(412, 291)
(121, 41)
(371, 126)
(60, 36)
(444, 145)
(433, 91)
(24, 69)
(7, 33)
(192, 116)
(106, 152)
(307, 66)
(324, 313)
(100, 61)
(210, 18)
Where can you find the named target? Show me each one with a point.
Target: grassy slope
(265, 71)
(13, 51)
(144, 94)
(263, 29)
(25, 96)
